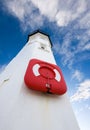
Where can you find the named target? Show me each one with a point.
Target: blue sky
(68, 24)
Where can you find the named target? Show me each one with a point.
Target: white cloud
(26, 12)
(16, 8)
(77, 75)
(62, 18)
(87, 106)
(47, 8)
(87, 47)
(71, 52)
(84, 22)
(60, 11)
(83, 91)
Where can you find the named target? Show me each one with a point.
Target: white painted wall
(24, 109)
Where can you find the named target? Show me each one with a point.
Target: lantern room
(39, 37)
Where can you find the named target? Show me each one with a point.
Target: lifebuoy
(45, 77)
(36, 70)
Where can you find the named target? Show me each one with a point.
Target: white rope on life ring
(58, 76)
(35, 69)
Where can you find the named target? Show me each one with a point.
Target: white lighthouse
(22, 108)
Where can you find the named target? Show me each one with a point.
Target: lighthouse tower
(29, 99)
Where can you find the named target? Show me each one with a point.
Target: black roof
(39, 31)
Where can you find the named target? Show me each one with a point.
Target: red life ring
(45, 77)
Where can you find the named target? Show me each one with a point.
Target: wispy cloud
(26, 12)
(77, 75)
(87, 106)
(60, 11)
(83, 91)
(75, 44)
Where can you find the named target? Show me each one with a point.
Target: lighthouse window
(43, 46)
